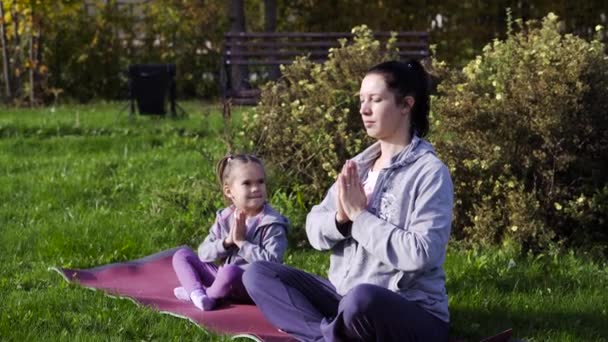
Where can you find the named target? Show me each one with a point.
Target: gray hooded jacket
(400, 241)
(266, 241)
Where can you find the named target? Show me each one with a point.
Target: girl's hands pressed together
(351, 196)
(239, 228)
(229, 242)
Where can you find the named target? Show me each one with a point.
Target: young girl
(248, 230)
(386, 221)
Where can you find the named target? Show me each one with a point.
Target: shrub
(88, 54)
(292, 207)
(523, 130)
(307, 123)
(84, 53)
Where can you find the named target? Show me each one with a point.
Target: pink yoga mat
(150, 281)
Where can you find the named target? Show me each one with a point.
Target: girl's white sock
(181, 294)
(201, 300)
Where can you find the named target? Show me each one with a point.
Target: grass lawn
(82, 186)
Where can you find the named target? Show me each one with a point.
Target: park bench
(260, 54)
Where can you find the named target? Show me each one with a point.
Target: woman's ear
(408, 104)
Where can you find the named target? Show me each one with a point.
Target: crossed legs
(204, 283)
(308, 307)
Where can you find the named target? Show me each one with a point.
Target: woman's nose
(364, 109)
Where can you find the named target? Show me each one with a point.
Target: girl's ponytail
(220, 170)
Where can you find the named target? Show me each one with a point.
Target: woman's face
(383, 118)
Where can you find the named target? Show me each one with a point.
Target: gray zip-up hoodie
(400, 241)
(266, 241)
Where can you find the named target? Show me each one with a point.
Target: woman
(386, 221)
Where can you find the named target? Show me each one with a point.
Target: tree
(237, 24)
(5, 62)
(270, 15)
(270, 25)
(459, 29)
(20, 32)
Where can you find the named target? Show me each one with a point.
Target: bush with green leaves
(307, 123)
(523, 128)
(88, 54)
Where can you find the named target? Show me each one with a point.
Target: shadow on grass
(535, 324)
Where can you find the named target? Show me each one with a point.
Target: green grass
(82, 186)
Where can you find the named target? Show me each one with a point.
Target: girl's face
(247, 188)
(383, 118)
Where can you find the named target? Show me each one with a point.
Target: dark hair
(225, 165)
(408, 79)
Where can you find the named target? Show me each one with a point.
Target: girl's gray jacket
(400, 241)
(266, 241)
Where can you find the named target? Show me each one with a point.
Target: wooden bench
(250, 59)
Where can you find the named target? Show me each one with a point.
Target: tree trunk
(270, 15)
(32, 67)
(239, 75)
(32, 60)
(5, 62)
(17, 57)
(270, 25)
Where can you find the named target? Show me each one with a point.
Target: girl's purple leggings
(223, 282)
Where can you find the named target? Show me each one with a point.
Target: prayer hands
(351, 196)
(341, 216)
(238, 231)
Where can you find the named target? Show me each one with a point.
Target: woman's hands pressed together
(351, 196)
